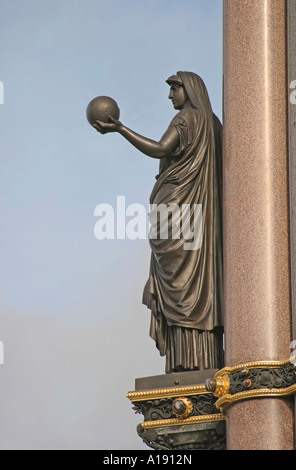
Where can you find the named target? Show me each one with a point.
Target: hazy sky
(75, 332)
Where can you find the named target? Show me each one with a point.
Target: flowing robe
(185, 287)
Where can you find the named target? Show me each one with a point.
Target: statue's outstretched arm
(167, 144)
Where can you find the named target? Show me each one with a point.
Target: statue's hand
(104, 127)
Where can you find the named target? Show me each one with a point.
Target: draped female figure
(184, 290)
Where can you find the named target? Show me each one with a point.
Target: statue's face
(178, 96)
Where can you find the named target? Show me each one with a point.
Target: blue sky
(71, 312)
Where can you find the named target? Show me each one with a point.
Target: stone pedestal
(179, 413)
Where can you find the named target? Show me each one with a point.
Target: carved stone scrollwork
(153, 410)
(255, 379)
(163, 408)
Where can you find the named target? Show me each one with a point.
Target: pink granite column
(256, 212)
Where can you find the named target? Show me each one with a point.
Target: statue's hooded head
(195, 89)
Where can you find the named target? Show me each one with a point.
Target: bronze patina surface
(185, 287)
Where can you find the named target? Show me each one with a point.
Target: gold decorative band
(166, 393)
(182, 422)
(251, 365)
(221, 384)
(227, 400)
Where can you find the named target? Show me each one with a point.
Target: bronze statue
(185, 287)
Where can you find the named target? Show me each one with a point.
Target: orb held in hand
(100, 108)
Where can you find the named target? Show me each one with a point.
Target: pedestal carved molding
(179, 418)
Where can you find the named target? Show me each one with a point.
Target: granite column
(256, 212)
